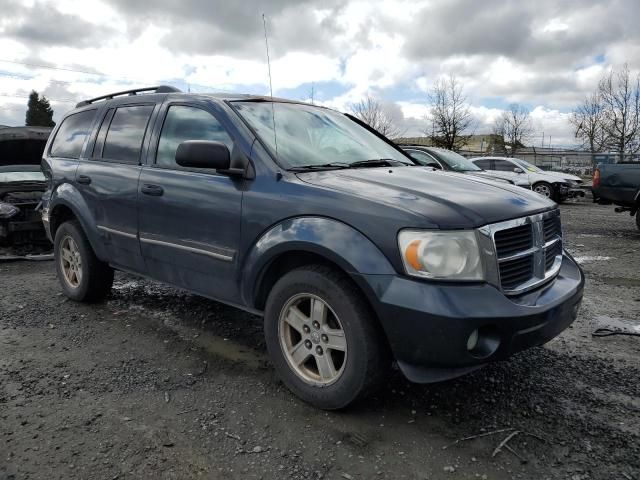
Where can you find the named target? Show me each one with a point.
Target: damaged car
(22, 184)
(21, 229)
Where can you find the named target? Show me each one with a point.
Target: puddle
(621, 282)
(612, 323)
(588, 259)
(126, 285)
(590, 235)
(216, 345)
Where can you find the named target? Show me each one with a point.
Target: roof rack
(135, 91)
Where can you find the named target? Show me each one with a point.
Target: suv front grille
(551, 228)
(516, 272)
(513, 240)
(529, 251)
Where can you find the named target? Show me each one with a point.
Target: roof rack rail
(135, 91)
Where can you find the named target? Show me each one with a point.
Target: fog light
(472, 341)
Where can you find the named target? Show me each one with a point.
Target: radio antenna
(273, 112)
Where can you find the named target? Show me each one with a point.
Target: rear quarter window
(484, 164)
(71, 135)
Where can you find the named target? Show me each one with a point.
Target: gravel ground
(155, 383)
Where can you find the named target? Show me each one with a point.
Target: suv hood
(446, 200)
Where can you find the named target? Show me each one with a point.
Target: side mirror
(518, 170)
(203, 154)
(437, 166)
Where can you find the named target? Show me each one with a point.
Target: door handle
(153, 190)
(84, 179)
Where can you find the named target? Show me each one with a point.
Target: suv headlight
(7, 210)
(441, 255)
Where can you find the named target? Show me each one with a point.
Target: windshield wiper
(378, 162)
(323, 166)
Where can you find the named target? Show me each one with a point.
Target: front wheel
(545, 189)
(82, 276)
(323, 338)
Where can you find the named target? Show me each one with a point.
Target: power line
(103, 75)
(12, 95)
(48, 67)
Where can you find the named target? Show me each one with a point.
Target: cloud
(42, 24)
(547, 55)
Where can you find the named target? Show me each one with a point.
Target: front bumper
(428, 324)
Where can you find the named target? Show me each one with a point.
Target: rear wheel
(323, 339)
(82, 276)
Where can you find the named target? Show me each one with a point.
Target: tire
(638, 219)
(82, 276)
(545, 189)
(359, 369)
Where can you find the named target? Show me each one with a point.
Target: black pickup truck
(619, 184)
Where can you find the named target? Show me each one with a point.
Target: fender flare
(332, 239)
(68, 196)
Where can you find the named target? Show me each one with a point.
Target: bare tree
(514, 127)
(451, 117)
(588, 120)
(373, 113)
(621, 100)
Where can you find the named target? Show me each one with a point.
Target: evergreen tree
(39, 111)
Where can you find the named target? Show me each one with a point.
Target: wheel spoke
(326, 369)
(318, 311)
(66, 254)
(299, 353)
(296, 318)
(336, 340)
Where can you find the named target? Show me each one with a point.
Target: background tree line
(609, 118)
(451, 122)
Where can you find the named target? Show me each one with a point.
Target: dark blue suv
(354, 255)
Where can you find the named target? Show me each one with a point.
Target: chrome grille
(528, 250)
(513, 240)
(551, 228)
(516, 272)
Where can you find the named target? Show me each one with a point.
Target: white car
(555, 185)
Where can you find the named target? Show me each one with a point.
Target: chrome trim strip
(218, 256)
(521, 254)
(117, 232)
(550, 243)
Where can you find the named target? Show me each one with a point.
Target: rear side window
(126, 132)
(504, 166)
(187, 123)
(484, 164)
(72, 134)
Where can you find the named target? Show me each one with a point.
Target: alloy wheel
(71, 262)
(312, 339)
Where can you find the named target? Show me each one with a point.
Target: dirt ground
(159, 384)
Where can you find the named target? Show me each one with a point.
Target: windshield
(10, 177)
(457, 162)
(314, 136)
(527, 166)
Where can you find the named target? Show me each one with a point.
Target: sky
(546, 55)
